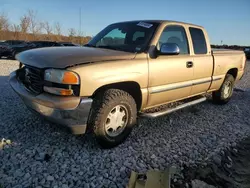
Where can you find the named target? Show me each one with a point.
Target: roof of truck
(162, 21)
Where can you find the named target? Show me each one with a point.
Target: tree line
(30, 28)
(232, 47)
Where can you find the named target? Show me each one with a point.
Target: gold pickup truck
(123, 72)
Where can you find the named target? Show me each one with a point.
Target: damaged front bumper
(70, 111)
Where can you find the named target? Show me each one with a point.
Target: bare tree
(15, 28)
(58, 28)
(47, 28)
(58, 31)
(72, 34)
(24, 24)
(30, 28)
(35, 26)
(4, 22)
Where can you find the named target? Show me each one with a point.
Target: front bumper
(70, 111)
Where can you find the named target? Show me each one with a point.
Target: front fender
(96, 75)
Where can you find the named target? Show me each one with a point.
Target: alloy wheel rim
(227, 89)
(116, 121)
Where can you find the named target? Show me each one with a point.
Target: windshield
(127, 36)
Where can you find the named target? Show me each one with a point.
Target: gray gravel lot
(46, 155)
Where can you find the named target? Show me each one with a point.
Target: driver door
(170, 76)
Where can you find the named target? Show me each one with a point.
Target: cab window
(177, 35)
(199, 41)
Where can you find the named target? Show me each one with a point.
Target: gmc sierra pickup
(125, 70)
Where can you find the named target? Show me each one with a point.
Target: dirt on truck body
(125, 70)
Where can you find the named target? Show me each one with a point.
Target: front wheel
(112, 117)
(224, 94)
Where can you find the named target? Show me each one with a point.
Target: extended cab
(124, 71)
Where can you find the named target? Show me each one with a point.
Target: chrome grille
(32, 78)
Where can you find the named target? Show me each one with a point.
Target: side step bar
(170, 110)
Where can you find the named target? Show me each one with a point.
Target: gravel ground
(46, 155)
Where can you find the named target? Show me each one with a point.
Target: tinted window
(177, 35)
(48, 44)
(56, 44)
(115, 36)
(39, 44)
(9, 42)
(17, 42)
(68, 44)
(137, 35)
(199, 42)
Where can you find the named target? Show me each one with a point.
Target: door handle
(189, 64)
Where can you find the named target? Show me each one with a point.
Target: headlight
(61, 76)
(61, 82)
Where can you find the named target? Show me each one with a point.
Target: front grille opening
(32, 78)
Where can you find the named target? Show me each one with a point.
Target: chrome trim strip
(201, 82)
(216, 79)
(170, 88)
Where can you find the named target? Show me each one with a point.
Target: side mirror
(169, 49)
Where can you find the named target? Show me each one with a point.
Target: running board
(170, 110)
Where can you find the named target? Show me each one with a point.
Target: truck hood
(62, 57)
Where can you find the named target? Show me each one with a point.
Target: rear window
(199, 41)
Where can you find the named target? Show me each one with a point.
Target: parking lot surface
(43, 154)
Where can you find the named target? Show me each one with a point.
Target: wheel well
(133, 88)
(233, 72)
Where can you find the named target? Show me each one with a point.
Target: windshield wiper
(109, 47)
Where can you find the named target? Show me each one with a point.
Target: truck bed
(225, 60)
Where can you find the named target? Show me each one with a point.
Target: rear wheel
(224, 94)
(112, 117)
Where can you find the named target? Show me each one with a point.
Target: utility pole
(80, 25)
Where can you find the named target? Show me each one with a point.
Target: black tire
(221, 96)
(102, 106)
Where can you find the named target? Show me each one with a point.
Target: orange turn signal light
(70, 78)
(66, 91)
(58, 91)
